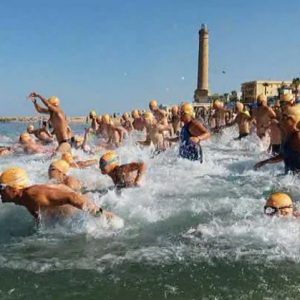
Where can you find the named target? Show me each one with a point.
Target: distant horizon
(116, 56)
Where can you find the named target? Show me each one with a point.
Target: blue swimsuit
(290, 156)
(187, 149)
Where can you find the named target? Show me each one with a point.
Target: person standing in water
(192, 133)
(263, 115)
(242, 119)
(57, 119)
(290, 148)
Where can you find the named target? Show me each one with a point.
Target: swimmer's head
(108, 162)
(174, 110)
(290, 118)
(25, 138)
(187, 112)
(54, 101)
(280, 204)
(93, 114)
(218, 104)
(125, 116)
(262, 100)
(135, 114)
(287, 99)
(153, 105)
(15, 177)
(99, 119)
(106, 119)
(68, 157)
(30, 128)
(148, 117)
(239, 106)
(60, 165)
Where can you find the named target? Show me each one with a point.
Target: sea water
(191, 231)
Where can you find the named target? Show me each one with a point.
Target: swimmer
(57, 172)
(154, 133)
(138, 122)
(94, 123)
(114, 133)
(220, 115)
(126, 122)
(38, 199)
(5, 150)
(280, 204)
(275, 137)
(243, 120)
(262, 116)
(29, 145)
(159, 114)
(57, 119)
(290, 149)
(175, 119)
(68, 157)
(42, 134)
(192, 133)
(123, 176)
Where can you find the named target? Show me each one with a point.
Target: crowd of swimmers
(183, 124)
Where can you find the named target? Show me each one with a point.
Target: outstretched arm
(272, 160)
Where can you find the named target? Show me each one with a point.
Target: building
(201, 93)
(270, 88)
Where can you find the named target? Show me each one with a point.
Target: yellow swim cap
(15, 177)
(109, 161)
(106, 119)
(126, 115)
(68, 157)
(262, 98)
(217, 104)
(148, 115)
(187, 109)
(30, 128)
(174, 109)
(280, 203)
(135, 113)
(60, 165)
(287, 98)
(239, 106)
(25, 137)
(153, 104)
(54, 101)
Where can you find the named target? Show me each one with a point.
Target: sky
(113, 56)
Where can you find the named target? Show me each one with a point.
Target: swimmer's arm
(85, 164)
(272, 160)
(173, 140)
(199, 131)
(40, 109)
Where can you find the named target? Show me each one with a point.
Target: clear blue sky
(117, 55)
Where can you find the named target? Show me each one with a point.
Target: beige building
(250, 90)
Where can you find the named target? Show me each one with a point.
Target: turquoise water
(191, 232)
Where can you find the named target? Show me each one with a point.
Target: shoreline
(31, 119)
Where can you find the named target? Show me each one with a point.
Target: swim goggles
(272, 210)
